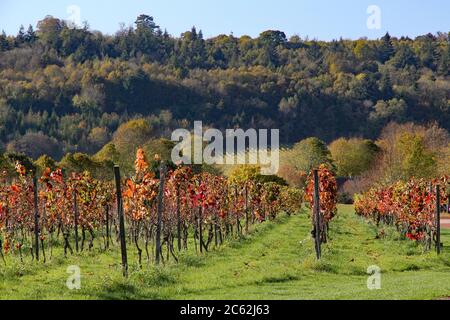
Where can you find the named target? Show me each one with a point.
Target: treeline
(68, 89)
(401, 152)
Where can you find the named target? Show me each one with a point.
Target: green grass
(276, 261)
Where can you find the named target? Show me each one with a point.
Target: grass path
(276, 261)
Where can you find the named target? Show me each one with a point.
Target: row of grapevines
(210, 208)
(75, 209)
(410, 206)
(62, 202)
(327, 197)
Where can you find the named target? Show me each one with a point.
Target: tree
(145, 23)
(127, 139)
(4, 44)
(272, 38)
(288, 105)
(81, 162)
(91, 99)
(443, 67)
(417, 161)
(107, 153)
(385, 86)
(161, 147)
(149, 38)
(76, 79)
(362, 50)
(308, 154)
(77, 43)
(244, 173)
(36, 144)
(49, 31)
(30, 37)
(363, 86)
(386, 49)
(131, 135)
(353, 157)
(404, 57)
(409, 150)
(392, 110)
(98, 137)
(292, 176)
(20, 38)
(191, 51)
(43, 163)
(427, 51)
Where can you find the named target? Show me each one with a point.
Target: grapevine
(410, 206)
(75, 209)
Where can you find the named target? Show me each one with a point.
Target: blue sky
(321, 19)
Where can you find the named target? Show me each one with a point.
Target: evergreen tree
(386, 49)
(30, 36)
(146, 23)
(404, 57)
(4, 45)
(20, 38)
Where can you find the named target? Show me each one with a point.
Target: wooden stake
(160, 213)
(36, 218)
(178, 218)
(316, 213)
(75, 213)
(107, 225)
(123, 243)
(438, 220)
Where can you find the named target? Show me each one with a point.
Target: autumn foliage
(211, 207)
(327, 193)
(76, 209)
(410, 206)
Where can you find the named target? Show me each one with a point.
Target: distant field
(276, 261)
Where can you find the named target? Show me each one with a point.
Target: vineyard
(204, 232)
(165, 211)
(413, 207)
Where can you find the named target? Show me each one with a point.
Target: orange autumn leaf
(140, 164)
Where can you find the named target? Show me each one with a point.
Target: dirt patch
(445, 223)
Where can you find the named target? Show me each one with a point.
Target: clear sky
(321, 19)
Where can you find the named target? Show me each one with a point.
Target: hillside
(65, 89)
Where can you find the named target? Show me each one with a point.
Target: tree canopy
(75, 87)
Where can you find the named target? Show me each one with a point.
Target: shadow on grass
(123, 289)
(277, 279)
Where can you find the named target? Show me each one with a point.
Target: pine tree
(146, 23)
(386, 49)
(30, 36)
(20, 38)
(4, 44)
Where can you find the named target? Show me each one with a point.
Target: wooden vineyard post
(246, 208)
(75, 214)
(107, 226)
(200, 228)
(316, 213)
(438, 220)
(36, 218)
(160, 212)
(123, 244)
(178, 218)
